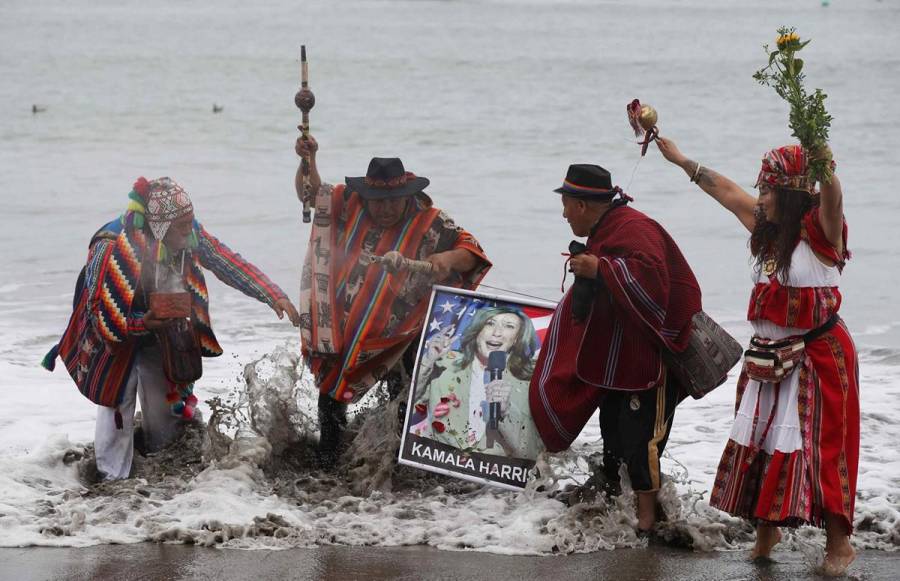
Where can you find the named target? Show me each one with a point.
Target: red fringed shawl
(648, 298)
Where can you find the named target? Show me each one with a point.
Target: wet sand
(174, 562)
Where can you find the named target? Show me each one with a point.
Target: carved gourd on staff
(305, 101)
(643, 120)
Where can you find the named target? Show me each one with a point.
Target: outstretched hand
(152, 322)
(446, 264)
(437, 346)
(670, 151)
(306, 147)
(283, 306)
(498, 391)
(584, 265)
(442, 265)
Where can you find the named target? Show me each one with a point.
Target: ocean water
(491, 101)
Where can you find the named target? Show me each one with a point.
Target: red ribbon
(391, 183)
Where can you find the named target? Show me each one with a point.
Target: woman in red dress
(792, 454)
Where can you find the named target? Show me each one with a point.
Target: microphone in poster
(496, 365)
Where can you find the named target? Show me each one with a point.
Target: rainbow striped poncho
(100, 341)
(356, 319)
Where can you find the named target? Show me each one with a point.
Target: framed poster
(467, 414)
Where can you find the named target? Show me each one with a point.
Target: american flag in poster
(457, 311)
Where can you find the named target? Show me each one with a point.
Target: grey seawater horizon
(491, 103)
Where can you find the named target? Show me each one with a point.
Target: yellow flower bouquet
(809, 121)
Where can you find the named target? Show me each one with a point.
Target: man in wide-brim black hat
(360, 324)
(634, 296)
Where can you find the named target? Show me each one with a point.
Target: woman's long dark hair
(776, 241)
(520, 361)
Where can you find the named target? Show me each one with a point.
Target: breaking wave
(248, 479)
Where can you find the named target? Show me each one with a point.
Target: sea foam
(247, 479)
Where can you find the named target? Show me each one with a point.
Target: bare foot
(839, 552)
(766, 539)
(837, 560)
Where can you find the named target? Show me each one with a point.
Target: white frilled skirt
(784, 433)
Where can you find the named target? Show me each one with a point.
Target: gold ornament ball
(648, 117)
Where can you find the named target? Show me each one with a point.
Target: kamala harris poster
(468, 413)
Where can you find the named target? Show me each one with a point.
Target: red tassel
(141, 186)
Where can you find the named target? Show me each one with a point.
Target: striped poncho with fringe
(98, 345)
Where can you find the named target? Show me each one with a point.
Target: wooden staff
(305, 101)
(394, 262)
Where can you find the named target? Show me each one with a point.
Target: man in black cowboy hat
(359, 322)
(634, 296)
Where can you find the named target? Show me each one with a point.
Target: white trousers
(114, 448)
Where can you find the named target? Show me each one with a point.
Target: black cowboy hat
(386, 178)
(587, 181)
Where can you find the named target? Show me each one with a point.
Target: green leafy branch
(808, 118)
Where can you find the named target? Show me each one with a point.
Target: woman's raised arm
(831, 212)
(730, 195)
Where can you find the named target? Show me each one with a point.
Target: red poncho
(645, 303)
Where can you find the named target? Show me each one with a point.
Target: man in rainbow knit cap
(110, 346)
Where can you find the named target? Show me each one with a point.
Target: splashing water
(249, 479)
